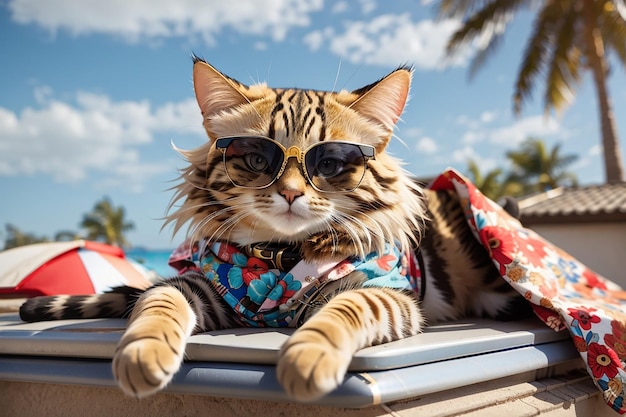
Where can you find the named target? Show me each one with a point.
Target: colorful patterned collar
(263, 295)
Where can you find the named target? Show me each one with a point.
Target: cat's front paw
(308, 370)
(145, 366)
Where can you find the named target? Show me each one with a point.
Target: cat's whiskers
(391, 230)
(337, 76)
(199, 207)
(369, 229)
(352, 226)
(224, 227)
(400, 140)
(228, 226)
(188, 212)
(329, 227)
(199, 229)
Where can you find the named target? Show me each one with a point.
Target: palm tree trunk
(613, 167)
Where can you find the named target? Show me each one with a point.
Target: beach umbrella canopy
(77, 267)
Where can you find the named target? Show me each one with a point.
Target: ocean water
(153, 259)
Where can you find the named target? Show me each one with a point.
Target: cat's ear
(384, 100)
(216, 92)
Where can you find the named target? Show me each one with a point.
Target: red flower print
(341, 270)
(548, 317)
(616, 340)
(619, 346)
(478, 200)
(534, 250)
(226, 252)
(253, 270)
(618, 328)
(593, 280)
(385, 262)
(580, 343)
(584, 317)
(602, 361)
(500, 244)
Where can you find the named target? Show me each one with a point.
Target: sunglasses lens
(335, 166)
(252, 162)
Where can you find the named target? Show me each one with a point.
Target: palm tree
(567, 37)
(490, 183)
(540, 169)
(15, 237)
(66, 236)
(107, 223)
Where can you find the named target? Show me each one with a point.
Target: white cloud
(595, 150)
(487, 116)
(535, 126)
(68, 141)
(481, 129)
(473, 136)
(392, 39)
(260, 46)
(367, 6)
(476, 126)
(412, 132)
(147, 19)
(42, 93)
(462, 155)
(339, 7)
(426, 145)
(317, 38)
(463, 119)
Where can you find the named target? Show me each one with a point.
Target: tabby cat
(306, 172)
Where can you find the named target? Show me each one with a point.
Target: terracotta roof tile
(595, 203)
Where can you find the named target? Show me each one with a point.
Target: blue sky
(92, 93)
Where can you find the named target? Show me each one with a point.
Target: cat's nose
(290, 195)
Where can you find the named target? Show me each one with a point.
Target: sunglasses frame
(368, 152)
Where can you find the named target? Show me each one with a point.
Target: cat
(293, 178)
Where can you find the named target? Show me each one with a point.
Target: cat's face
(288, 165)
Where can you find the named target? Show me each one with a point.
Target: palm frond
(458, 8)
(537, 49)
(474, 172)
(107, 223)
(491, 182)
(613, 29)
(483, 54)
(563, 75)
(484, 24)
(539, 168)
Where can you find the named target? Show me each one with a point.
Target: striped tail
(114, 304)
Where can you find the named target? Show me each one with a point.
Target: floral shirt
(263, 296)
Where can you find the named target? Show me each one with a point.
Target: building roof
(594, 203)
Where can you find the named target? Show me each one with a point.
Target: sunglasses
(257, 162)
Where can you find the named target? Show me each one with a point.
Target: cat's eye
(331, 166)
(256, 162)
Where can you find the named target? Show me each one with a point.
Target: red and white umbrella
(78, 267)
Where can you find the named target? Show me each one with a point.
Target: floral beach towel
(564, 293)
